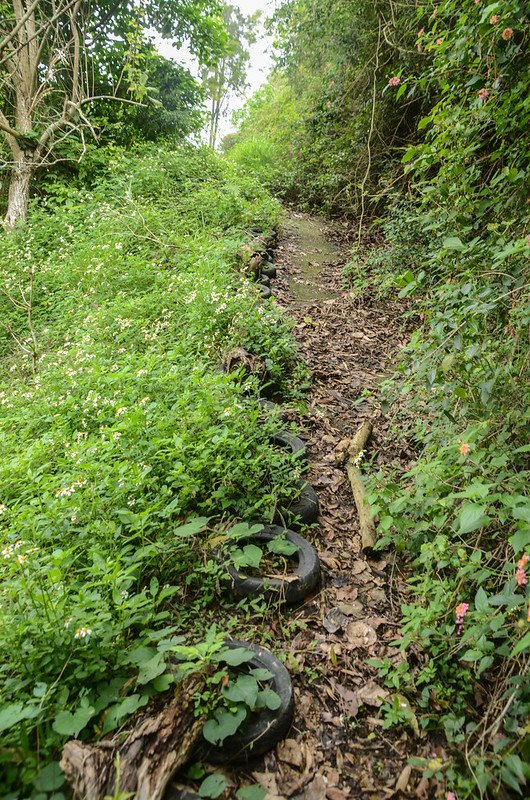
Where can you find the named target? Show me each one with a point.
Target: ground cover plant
(124, 447)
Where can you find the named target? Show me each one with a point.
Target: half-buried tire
(303, 511)
(264, 728)
(291, 588)
(288, 441)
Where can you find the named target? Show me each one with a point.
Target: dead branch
(355, 451)
(143, 759)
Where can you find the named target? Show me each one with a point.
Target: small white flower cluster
(82, 633)
(69, 490)
(358, 458)
(11, 550)
(3, 508)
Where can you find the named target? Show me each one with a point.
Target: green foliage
(461, 513)
(122, 445)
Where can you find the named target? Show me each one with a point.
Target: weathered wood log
(366, 522)
(142, 759)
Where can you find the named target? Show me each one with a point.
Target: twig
(355, 450)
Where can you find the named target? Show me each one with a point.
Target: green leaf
(481, 600)
(471, 518)
(244, 690)
(520, 540)
(193, 527)
(51, 777)
(117, 712)
(453, 243)
(249, 556)
(151, 669)
(424, 121)
(409, 155)
(522, 512)
(224, 723)
(213, 786)
(254, 792)
(262, 674)
(522, 645)
(268, 698)
(68, 724)
(282, 546)
(235, 657)
(15, 712)
(472, 655)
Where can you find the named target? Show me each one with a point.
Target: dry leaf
(403, 780)
(290, 751)
(359, 634)
(316, 790)
(371, 694)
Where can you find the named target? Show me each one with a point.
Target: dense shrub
(116, 429)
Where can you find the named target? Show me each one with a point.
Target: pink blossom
(520, 574)
(507, 34)
(483, 93)
(494, 19)
(460, 612)
(452, 795)
(465, 448)
(394, 81)
(439, 40)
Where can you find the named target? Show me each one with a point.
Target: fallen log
(354, 456)
(142, 759)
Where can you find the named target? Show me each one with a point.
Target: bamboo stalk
(366, 522)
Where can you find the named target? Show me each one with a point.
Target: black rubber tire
(270, 272)
(172, 793)
(269, 406)
(303, 511)
(264, 729)
(264, 280)
(306, 572)
(265, 292)
(288, 441)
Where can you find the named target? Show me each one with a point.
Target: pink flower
(477, 2)
(507, 34)
(483, 93)
(520, 574)
(394, 81)
(439, 40)
(452, 795)
(494, 19)
(465, 448)
(408, 488)
(460, 612)
(421, 32)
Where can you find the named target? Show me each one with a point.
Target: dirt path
(337, 747)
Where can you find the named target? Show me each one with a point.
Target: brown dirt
(338, 747)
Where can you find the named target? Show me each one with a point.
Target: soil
(338, 747)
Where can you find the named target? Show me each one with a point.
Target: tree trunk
(19, 186)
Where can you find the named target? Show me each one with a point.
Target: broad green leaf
(268, 698)
(244, 690)
(522, 512)
(117, 712)
(522, 645)
(235, 657)
(282, 546)
(224, 724)
(453, 243)
(15, 712)
(191, 528)
(249, 556)
(254, 792)
(472, 655)
(151, 669)
(471, 518)
(520, 540)
(213, 786)
(262, 674)
(68, 724)
(51, 777)
(481, 600)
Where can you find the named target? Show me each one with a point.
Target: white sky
(260, 63)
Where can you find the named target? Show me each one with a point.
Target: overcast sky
(260, 62)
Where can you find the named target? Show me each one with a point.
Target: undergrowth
(125, 449)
